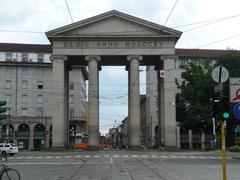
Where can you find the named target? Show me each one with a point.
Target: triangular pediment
(114, 24)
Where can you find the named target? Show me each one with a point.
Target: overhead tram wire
(171, 12)
(208, 21)
(221, 40)
(69, 11)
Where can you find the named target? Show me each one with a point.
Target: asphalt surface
(124, 165)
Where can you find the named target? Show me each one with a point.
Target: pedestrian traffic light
(3, 110)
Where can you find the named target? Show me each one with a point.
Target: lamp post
(8, 125)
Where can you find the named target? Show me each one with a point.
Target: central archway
(112, 39)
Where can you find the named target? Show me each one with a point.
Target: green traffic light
(226, 115)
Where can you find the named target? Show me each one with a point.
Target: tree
(196, 89)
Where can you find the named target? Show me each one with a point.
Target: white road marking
(67, 156)
(39, 157)
(164, 157)
(97, 156)
(183, 157)
(19, 157)
(58, 157)
(29, 157)
(44, 163)
(77, 156)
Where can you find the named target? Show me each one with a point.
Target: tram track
(138, 170)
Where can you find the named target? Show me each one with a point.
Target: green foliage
(231, 61)
(196, 88)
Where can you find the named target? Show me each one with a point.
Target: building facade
(26, 86)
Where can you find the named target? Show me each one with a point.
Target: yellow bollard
(224, 164)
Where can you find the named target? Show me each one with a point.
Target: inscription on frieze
(111, 44)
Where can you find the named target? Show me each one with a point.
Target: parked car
(9, 148)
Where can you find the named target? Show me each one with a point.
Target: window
(40, 112)
(24, 71)
(8, 56)
(24, 57)
(71, 112)
(40, 99)
(8, 84)
(24, 84)
(40, 85)
(8, 71)
(8, 98)
(24, 111)
(71, 99)
(71, 86)
(40, 58)
(40, 72)
(24, 99)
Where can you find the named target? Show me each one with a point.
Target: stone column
(47, 132)
(59, 117)
(178, 137)
(190, 139)
(31, 136)
(15, 140)
(168, 88)
(93, 102)
(134, 102)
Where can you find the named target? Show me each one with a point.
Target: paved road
(123, 165)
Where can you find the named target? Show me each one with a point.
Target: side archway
(39, 137)
(23, 135)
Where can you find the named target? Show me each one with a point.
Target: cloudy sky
(207, 24)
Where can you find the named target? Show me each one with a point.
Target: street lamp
(8, 125)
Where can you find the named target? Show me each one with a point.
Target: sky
(206, 24)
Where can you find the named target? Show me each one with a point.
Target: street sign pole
(224, 164)
(220, 75)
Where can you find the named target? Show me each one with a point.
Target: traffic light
(3, 110)
(225, 108)
(220, 108)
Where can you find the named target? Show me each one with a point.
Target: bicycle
(7, 173)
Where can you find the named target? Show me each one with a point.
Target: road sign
(237, 130)
(234, 90)
(218, 87)
(236, 111)
(220, 74)
(162, 73)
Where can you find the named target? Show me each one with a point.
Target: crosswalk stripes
(200, 157)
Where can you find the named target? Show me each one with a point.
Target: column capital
(136, 57)
(58, 57)
(92, 57)
(165, 57)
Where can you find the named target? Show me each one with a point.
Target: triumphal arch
(112, 39)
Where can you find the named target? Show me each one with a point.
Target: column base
(57, 149)
(133, 147)
(93, 148)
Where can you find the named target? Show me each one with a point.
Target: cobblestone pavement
(124, 165)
